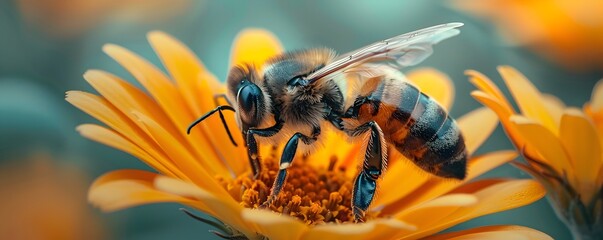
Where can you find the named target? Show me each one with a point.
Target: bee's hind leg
(287, 159)
(375, 160)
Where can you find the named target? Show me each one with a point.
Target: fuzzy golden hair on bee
(312, 57)
(363, 94)
(247, 73)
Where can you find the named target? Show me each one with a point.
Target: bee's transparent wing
(404, 50)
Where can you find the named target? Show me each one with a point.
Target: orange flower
(44, 200)
(568, 32)
(72, 17)
(562, 146)
(206, 172)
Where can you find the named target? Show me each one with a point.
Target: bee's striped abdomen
(418, 127)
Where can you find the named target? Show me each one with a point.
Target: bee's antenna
(219, 110)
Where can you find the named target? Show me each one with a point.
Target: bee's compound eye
(248, 99)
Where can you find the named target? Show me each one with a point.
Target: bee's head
(249, 99)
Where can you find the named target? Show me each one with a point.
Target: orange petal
(546, 143)
(483, 83)
(254, 46)
(199, 170)
(435, 84)
(527, 97)
(444, 205)
(496, 198)
(118, 194)
(117, 141)
(596, 100)
(504, 115)
(476, 127)
(580, 139)
(381, 228)
(101, 109)
(198, 87)
(226, 209)
(127, 188)
(167, 96)
(274, 225)
(424, 214)
(435, 187)
(158, 85)
(503, 232)
(185, 68)
(415, 177)
(126, 97)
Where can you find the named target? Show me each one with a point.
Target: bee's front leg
(286, 160)
(375, 160)
(252, 146)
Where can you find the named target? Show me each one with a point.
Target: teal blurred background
(42, 57)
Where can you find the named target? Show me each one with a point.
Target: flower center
(313, 195)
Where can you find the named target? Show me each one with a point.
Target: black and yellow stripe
(417, 126)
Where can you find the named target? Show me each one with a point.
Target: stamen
(313, 195)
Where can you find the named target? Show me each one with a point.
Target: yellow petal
(185, 68)
(580, 139)
(445, 205)
(226, 209)
(433, 211)
(199, 170)
(527, 97)
(496, 198)
(125, 97)
(435, 84)
(163, 91)
(457, 199)
(199, 86)
(102, 110)
(435, 187)
(117, 141)
(127, 188)
(158, 85)
(546, 143)
(254, 46)
(596, 100)
(504, 115)
(118, 194)
(413, 179)
(555, 106)
(503, 232)
(273, 225)
(132, 174)
(381, 228)
(476, 127)
(483, 83)
(167, 96)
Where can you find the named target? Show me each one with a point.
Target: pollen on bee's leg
(312, 194)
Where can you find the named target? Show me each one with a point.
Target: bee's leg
(375, 160)
(286, 160)
(252, 146)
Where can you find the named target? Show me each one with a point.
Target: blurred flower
(206, 172)
(567, 31)
(70, 17)
(561, 145)
(41, 200)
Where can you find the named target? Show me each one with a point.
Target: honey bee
(362, 93)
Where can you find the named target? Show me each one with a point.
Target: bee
(362, 93)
